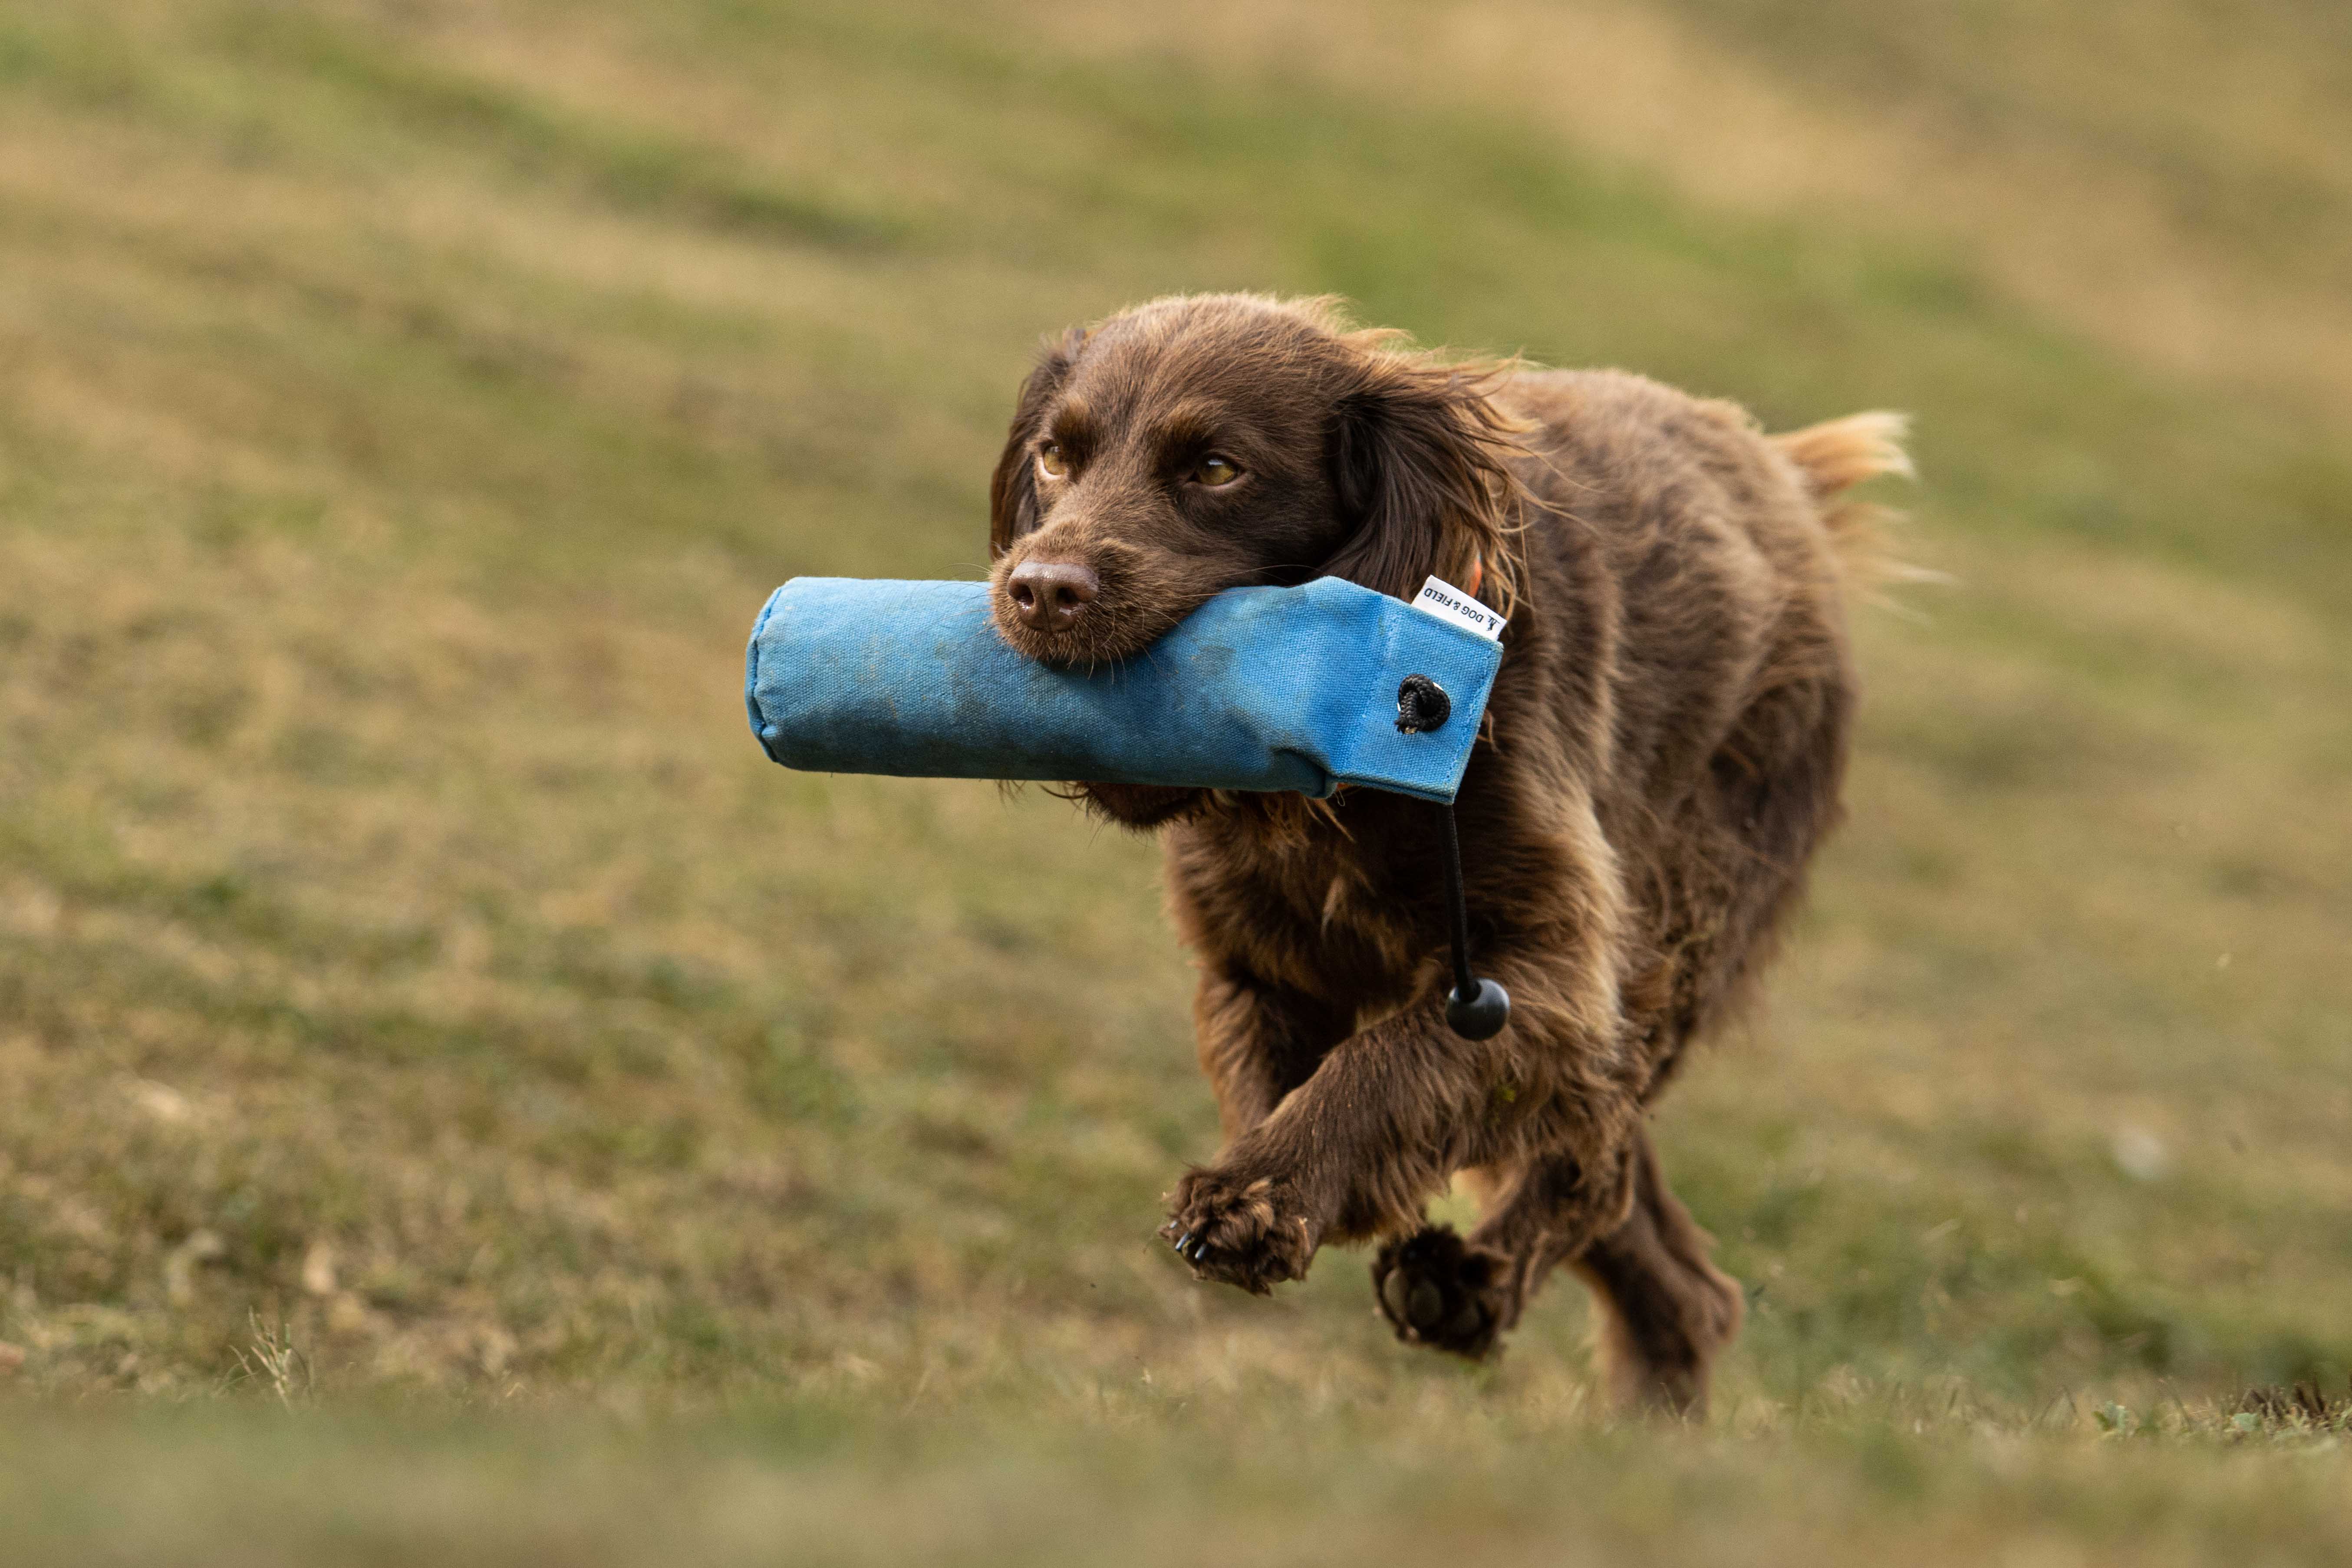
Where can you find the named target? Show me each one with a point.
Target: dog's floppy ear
(1013, 489)
(1416, 455)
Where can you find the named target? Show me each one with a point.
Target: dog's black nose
(1049, 595)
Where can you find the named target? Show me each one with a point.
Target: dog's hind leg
(1666, 1311)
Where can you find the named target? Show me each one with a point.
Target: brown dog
(1664, 752)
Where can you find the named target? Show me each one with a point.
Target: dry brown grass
(2175, 178)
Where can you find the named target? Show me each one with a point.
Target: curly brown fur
(1662, 754)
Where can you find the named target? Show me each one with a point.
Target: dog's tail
(1834, 457)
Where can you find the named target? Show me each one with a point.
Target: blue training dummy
(1260, 689)
(1304, 689)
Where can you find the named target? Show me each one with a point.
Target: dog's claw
(1180, 1243)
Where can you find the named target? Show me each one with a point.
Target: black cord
(1477, 1009)
(1457, 907)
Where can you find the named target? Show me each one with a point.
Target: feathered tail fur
(1837, 455)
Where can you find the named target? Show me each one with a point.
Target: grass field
(456, 1098)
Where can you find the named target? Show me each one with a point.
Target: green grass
(418, 996)
(1141, 1477)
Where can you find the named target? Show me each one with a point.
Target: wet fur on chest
(1339, 899)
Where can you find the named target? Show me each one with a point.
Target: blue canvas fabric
(1261, 688)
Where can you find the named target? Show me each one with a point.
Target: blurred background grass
(416, 991)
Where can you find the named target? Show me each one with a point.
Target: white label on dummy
(1448, 602)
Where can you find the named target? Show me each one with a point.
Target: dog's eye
(1052, 461)
(1215, 472)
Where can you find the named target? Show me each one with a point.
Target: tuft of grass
(271, 1361)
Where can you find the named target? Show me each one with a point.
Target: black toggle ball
(1480, 1017)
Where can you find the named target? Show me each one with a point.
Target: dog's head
(1208, 442)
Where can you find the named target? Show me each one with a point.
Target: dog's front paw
(1243, 1231)
(1437, 1289)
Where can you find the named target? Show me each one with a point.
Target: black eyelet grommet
(1421, 704)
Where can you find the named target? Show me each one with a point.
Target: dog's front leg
(1392, 1112)
(1259, 1041)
